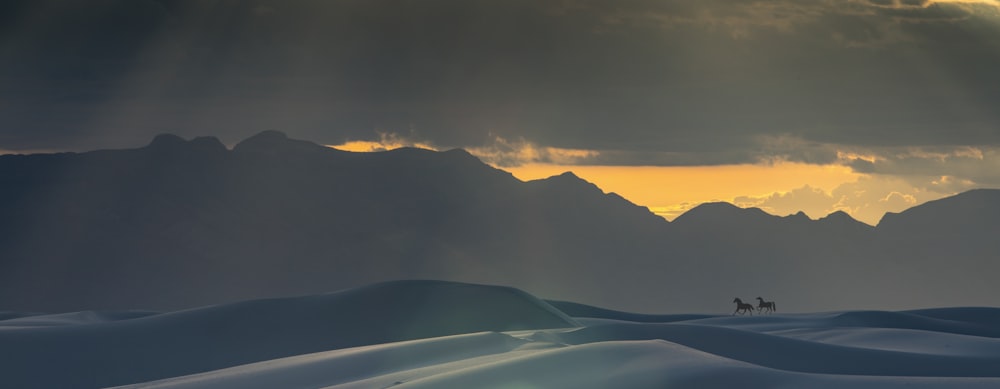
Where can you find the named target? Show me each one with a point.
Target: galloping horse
(768, 305)
(744, 307)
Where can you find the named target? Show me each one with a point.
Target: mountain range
(182, 223)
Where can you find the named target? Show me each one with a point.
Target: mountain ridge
(189, 222)
(273, 141)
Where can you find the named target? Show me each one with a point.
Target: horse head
(737, 300)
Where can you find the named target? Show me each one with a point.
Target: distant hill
(189, 222)
(976, 212)
(114, 350)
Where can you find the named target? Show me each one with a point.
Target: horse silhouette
(768, 305)
(742, 307)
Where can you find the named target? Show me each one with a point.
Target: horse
(768, 305)
(744, 307)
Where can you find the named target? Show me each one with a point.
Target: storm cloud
(633, 83)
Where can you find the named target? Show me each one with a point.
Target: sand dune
(96, 353)
(431, 334)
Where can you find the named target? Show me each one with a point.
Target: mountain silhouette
(182, 223)
(972, 212)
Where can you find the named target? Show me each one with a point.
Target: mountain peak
(270, 134)
(208, 143)
(461, 154)
(263, 138)
(166, 141)
(840, 220)
(568, 181)
(719, 211)
(172, 144)
(800, 215)
(838, 216)
(567, 178)
(720, 206)
(948, 214)
(274, 142)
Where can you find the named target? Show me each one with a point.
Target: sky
(865, 106)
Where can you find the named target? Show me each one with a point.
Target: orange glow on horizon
(668, 191)
(364, 146)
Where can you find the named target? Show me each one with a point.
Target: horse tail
(774, 306)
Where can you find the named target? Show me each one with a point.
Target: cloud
(813, 201)
(508, 153)
(670, 212)
(385, 141)
(943, 170)
(645, 82)
(866, 199)
(870, 198)
(851, 23)
(934, 166)
(764, 150)
(897, 200)
(499, 152)
(895, 178)
(788, 148)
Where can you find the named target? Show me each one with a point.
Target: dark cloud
(664, 82)
(861, 165)
(935, 166)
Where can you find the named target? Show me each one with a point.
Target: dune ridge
(432, 334)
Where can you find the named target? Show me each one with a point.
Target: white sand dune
(431, 334)
(94, 353)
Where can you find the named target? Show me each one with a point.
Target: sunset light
(669, 191)
(780, 188)
(586, 194)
